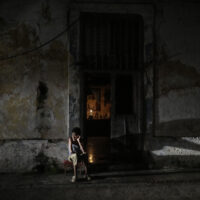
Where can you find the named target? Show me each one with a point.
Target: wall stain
(174, 75)
(56, 51)
(17, 119)
(45, 11)
(23, 36)
(18, 38)
(179, 127)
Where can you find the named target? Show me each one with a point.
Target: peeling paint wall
(33, 87)
(32, 156)
(21, 117)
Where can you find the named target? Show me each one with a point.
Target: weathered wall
(177, 85)
(32, 155)
(178, 69)
(33, 87)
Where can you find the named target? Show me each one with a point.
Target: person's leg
(73, 157)
(85, 168)
(85, 162)
(75, 171)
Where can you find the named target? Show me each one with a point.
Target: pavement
(130, 185)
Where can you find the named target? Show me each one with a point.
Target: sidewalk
(119, 185)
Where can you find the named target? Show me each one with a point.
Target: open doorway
(112, 109)
(97, 117)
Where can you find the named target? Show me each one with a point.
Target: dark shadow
(42, 92)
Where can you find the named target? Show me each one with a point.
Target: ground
(116, 185)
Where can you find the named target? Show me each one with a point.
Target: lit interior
(98, 103)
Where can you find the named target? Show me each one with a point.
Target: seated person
(77, 153)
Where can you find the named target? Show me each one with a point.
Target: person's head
(76, 132)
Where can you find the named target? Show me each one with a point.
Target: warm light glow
(98, 103)
(91, 158)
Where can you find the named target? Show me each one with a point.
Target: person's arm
(70, 145)
(81, 147)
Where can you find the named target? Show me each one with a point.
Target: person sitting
(77, 153)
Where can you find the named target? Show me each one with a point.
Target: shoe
(88, 178)
(73, 180)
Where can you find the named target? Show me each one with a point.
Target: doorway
(111, 47)
(97, 117)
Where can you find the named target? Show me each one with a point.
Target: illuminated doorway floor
(102, 159)
(98, 149)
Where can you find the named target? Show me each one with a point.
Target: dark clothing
(75, 147)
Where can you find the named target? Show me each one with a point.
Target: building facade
(128, 71)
